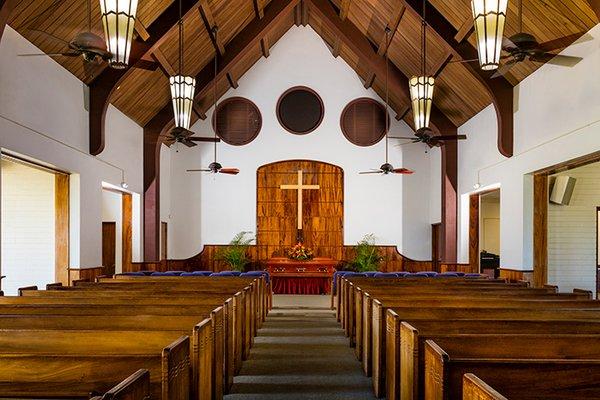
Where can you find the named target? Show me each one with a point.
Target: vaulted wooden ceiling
(144, 92)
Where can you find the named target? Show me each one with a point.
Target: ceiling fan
(184, 136)
(524, 46)
(214, 167)
(88, 45)
(387, 168)
(426, 136)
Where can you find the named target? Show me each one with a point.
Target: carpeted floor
(301, 353)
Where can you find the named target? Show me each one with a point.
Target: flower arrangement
(300, 252)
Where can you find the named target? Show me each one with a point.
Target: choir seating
(190, 334)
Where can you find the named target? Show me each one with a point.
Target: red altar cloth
(301, 277)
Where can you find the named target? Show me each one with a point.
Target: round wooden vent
(238, 121)
(363, 121)
(300, 110)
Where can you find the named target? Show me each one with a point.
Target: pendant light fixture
(118, 20)
(421, 87)
(489, 17)
(182, 87)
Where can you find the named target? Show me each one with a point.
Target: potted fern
(235, 253)
(366, 257)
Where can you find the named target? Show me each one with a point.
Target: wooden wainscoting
(458, 267)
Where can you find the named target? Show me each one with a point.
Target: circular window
(238, 121)
(300, 110)
(363, 121)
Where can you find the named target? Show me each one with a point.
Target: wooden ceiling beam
(163, 63)
(232, 81)
(304, 12)
(369, 80)
(344, 8)
(259, 8)
(595, 6)
(210, 24)
(500, 89)
(337, 44)
(141, 30)
(465, 30)
(198, 111)
(265, 46)
(439, 68)
(6, 7)
(297, 15)
(393, 25)
(102, 87)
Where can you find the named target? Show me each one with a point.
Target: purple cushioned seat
(426, 273)
(416, 275)
(385, 275)
(258, 273)
(138, 273)
(167, 273)
(225, 273)
(147, 273)
(447, 275)
(472, 275)
(370, 274)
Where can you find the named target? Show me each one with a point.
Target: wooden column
(61, 228)
(540, 230)
(449, 201)
(474, 232)
(127, 232)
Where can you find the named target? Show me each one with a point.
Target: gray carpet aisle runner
(301, 353)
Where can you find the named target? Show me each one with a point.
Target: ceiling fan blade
(403, 137)
(230, 171)
(169, 142)
(50, 55)
(371, 172)
(198, 170)
(188, 143)
(404, 171)
(450, 137)
(565, 41)
(204, 139)
(463, 61)
(412, 142)
(560, 60)
(504, 68)
(508, 45)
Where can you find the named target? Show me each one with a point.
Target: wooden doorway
(163, 241)
(484, 232)
(109, 242)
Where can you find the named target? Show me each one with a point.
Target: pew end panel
(436, 360)
(476, 389)
(134, 387)
(176, 370)
(202, 367)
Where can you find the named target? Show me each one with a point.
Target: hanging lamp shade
(421, 95)
(489, 17)
(118, 19)
(182, 95)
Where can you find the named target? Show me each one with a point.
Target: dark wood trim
(6, 8)
(393, 25)
(207, 17)
(126, 232)
(499, 89)
(303, 13)
(474, 231)
(61, 228)
(570, 164)
(449, 200)
(259, 9)
(264, 46)
(232, 81)
(595, 6)
(335, 49)
(103, 86)
(305, 89)
(540, 230)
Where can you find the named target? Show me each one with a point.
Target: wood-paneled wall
(323, 209)
(514, 275)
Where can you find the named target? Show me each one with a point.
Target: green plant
(366, 257)
(235, 253)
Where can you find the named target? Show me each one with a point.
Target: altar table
(301, 277)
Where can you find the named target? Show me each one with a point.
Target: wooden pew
(207, 337)
(134, 387)
(404, 354)
(523, 312)
(519, 366)
(71, 364)
(476, 389)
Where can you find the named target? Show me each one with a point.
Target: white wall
(211, 209)
(112, 211)
(557, 118)
(572, 233)
(28, 225)
(42, 116)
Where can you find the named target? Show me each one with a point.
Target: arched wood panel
(323, 209)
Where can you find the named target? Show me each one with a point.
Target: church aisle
(301, 353)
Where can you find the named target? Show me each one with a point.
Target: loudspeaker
(562, 190)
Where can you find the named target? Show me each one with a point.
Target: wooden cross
(300, 187)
